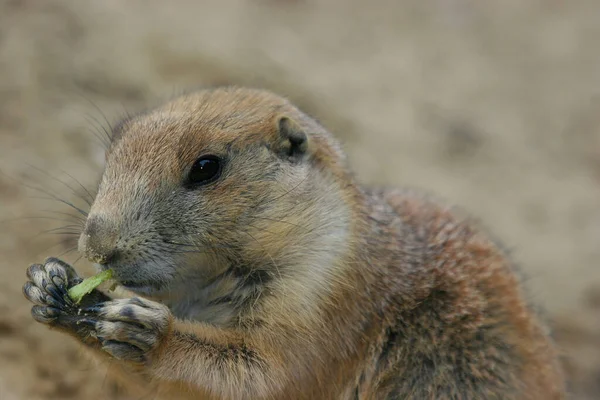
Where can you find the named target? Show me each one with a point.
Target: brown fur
(304, 285)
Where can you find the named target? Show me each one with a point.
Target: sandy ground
(493, 105)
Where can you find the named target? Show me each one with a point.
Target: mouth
(132, 284)
(139, 287)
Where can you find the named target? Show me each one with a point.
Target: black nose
(98, 240)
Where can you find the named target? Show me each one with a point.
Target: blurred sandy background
(493, 105)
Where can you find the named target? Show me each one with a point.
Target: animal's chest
(221, 314)
(223, 303)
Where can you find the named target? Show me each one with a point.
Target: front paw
(131, 329)
(47, 289)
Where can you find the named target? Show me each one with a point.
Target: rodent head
(220, 181)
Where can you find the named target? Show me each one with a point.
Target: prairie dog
(260, 269)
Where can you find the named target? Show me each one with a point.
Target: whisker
(94, 131)
(67, 214)
(288, 192)
(52, 197)
(35, 217)
(98, 129)
(99, 110)
(92, 197)
(108, 124)
(46, 192)
(47, 249)
(59, 181)
(70, 226)
(67, 252)
(61, 231)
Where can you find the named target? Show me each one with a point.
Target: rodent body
(282, 278)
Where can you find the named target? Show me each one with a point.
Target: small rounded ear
(292, 141)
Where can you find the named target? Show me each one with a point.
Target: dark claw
(53, 290)
(59, 295)
(65, 297)
(53, 302)
(95, 309)
(62, 289)
(45, 315)
(75, 281)
(53, 312)
(89, 322)
(57, 279)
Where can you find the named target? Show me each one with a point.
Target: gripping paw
(131, 329)
(47, 290)
(127, 329)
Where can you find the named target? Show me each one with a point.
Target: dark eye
(206, 169)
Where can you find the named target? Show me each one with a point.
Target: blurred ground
(493, 105)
